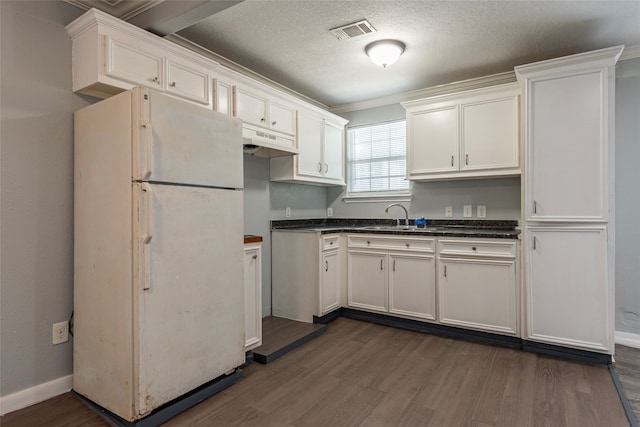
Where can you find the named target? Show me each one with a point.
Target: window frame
(401, 195)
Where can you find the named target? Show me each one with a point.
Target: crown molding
(463, 85)
(124, 10)
(630, 52)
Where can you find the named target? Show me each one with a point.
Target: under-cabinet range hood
(265, 143)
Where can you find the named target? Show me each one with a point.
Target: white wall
(37, 191)
(628, 196)
(264, 201)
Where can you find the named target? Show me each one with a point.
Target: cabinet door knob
(172, 84)
(407, 244)
(273, 123)
(255, 257)
(466, 159)
(451, 161)
(263, 120)
(368, 242)
(156, 80)
(473, 248)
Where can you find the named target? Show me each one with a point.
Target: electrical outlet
(448, 212)
(60, 332)
(329, 211)
(482, 211)
(468, 211)
(287, 212)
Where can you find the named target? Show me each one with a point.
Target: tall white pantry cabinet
(568, 200)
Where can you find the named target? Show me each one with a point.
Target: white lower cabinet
(569, 301)
(307, 274)
(392, 275)
(368, 278)
(477, 285)
(412, 286)
(330, 283)
(252, 295)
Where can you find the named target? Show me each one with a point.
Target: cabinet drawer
(330, 242)
(484, 248)
(392, 243)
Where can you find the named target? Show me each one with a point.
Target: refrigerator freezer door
(178, 142)
(189, 289)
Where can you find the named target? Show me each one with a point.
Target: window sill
(378, 198)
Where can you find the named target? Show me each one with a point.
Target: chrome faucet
(406, 214)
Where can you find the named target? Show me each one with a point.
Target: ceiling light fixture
(384, 52)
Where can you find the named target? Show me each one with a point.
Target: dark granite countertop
(501, 229)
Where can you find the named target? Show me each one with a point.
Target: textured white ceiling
(288, 41)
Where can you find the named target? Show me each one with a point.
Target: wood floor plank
(362, 374)
(628, 370)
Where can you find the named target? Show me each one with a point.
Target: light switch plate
(329, 212)
(482, 211)
(448, 211)
(468, 211)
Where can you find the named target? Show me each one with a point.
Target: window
(376, 159)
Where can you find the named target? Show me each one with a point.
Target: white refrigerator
(158, 223)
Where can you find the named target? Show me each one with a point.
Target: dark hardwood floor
(362, 374)
(628, 370)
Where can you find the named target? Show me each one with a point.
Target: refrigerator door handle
(146, 238)
(148, 218)
(148, 141)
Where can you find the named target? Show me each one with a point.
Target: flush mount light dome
(384, 52)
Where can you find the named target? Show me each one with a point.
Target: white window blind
(377, 159)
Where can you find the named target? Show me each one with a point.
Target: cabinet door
(489, 138)
(282, 118)
(223, 97)
(412, 289)
(127, 62)
(252, 297)
(250, 107)
(433, 140)
(188, 82)
(367, 282)
(478, 294)
(568, 298)
(309, 145)
(333, 152)
(566, 148)
(330, 282)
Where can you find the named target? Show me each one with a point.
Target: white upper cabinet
(259, 109)
(133, 64)
(110, 56)
(223, 96)
(188, 81)
(310, 145)
(433, 140)
(568, 125)
(468, 134)
(320, 159)
(483, 143)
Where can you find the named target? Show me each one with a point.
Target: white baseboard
(36, 394)
(628, 339)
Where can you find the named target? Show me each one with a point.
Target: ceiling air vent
(353, 30)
